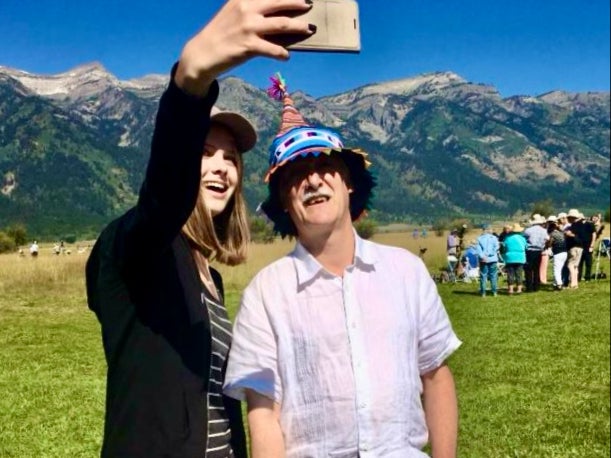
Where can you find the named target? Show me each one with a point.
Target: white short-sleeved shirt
(342, 356)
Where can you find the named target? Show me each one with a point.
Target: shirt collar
(308, 268)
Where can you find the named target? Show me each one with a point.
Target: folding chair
(604, 246)
(471, 273)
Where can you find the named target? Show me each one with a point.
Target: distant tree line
(15, 236)
(12, 237)
(261, 230)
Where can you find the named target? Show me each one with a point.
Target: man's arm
(441, 411)
(266, 440)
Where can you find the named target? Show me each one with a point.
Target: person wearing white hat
(579, 237)
(557, 245)
(563, 224)
(588, 227)
(536, 238)
(546, 253)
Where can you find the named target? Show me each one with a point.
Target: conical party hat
(295, 136)
(298, 139)
(290, 115)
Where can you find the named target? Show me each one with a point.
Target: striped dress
(219, 433)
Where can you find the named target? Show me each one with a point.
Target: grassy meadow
(532, 375)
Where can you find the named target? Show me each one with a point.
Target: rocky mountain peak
(429, 85)
(148, 86)
(83, 80)
(441, 143)
(576, 100)
(409, 86)
(89, 67)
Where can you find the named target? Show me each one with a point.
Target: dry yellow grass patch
(50, 273)
(45, 272)
(263, 254)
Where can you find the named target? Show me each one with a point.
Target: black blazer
(144, 287)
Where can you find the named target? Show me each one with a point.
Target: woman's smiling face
(220, 172)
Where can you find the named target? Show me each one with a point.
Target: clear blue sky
(523, 47)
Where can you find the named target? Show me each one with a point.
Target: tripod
(603, 250)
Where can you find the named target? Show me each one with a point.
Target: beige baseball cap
(241, 128)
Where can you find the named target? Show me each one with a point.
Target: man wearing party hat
(335, 344)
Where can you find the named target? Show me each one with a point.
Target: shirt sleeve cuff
(451, 346)
(237, 390)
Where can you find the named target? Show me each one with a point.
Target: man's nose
(314, 180)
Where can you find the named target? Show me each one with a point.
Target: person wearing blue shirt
(536, 237)
(487, 251)
(514, 253)
(471, 256)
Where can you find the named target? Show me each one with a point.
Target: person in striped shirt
(165, 329)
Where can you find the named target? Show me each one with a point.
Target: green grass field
(532, 375)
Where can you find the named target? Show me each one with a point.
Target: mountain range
(74, 146)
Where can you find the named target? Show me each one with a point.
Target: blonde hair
(226, 236)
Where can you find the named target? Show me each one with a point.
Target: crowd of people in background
(567, 240)
(57, 249)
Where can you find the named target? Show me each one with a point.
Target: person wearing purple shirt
(453, 243)
(536, 238)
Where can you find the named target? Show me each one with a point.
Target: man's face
(315, 192)
(219, 169)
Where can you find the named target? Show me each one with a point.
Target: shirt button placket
(354, 333)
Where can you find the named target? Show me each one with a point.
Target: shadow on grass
(466, 293)
(476, 293)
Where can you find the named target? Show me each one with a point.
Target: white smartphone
(337, 28)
